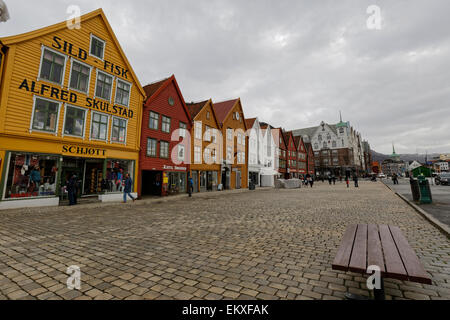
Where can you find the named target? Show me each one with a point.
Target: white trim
(92, 122)
(5, 185)
(129, 93)
(43, 48)
(33, 111)
(90, 47)
(126, 130)
(66, 105)
(112, 85)
(70, 76)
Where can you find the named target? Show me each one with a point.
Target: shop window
(31, 175)
(119, 130)
(123, 91)
(115, 175)
(99, 126)
(74, 121)
(154, 121)
(103, 87)
(164, 150)
(97, 47)
(165, 126)
(183, 128)
(52, 66)
(151, 147)
(45, 116)
(79, 76)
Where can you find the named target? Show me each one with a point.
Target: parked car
(443, 179)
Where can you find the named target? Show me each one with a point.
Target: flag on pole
(4, 14)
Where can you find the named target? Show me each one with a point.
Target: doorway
(151, 183)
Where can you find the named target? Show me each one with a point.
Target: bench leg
(378, 294)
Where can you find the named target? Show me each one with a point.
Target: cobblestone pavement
(266, 244)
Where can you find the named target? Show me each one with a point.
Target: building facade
(270, 170)
(165, 143)
(206, 147)
(338, 149)
(281, 153)
(256, 150)
(310, 159)
(230, 115)
(291, 156)
(302, 157)
(70, 104)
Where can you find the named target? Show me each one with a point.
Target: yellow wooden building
(70, 104)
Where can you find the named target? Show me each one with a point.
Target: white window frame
(229, 134)
(112, 85)
(126, 130)
(197, 151)
(65, 117)
(207, 133)
(156, 148)
(182, 130)
(43, 48)
(92, 122)
(90, 47)
(198, 134)
(34, 109)
(129, 93)
(89, 80)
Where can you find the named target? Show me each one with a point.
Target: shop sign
(174, 168)
(84, 151)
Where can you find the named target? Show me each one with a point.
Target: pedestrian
(333, 177)
(127, 189)
(311, 181)
(72, 190)
(395, 178)
(329, 179)
(190, 186)
(355, 179)
(347, 180)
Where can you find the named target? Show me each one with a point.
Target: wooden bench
(383, 246)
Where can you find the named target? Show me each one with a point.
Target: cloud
(293, 63)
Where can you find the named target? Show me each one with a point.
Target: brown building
(206, 147)
(230, 116)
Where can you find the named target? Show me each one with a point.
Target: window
(229, 134)
(45, 117)
(164, 150)
(52, 66)
(103, 86)
(325, 144)
(74, 122)
(181, 152)
(154, 121)
(213, 136)
(207, 115)
(341, 130)
(151, 147)
(334, 144)
(316, 146)
(207, 133)
(328, 136)
(229, 154)
(99, 126)
(97, 47)
(239, 138)
(207, 156)
(320, 137)
(119, 130)
(123, 91)
(198, 130)
(165, 127)
(79, 76)
(183, 128)
(197, 155)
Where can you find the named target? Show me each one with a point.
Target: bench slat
(358, 261)
(416, 271)
(374, 252)
(394, 264)
(342, 259)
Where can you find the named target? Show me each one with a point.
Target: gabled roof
(250, 122)
(195, 108)
(157, 87)
(287, 135)
(63, 25)
(223, 109)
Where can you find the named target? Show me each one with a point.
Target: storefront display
(31, 175)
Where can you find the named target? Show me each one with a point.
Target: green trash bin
(425, 190)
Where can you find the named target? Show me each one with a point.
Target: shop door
(195, 180)
(203, 181)
(93, 177)
(69, 168)
(238, 179)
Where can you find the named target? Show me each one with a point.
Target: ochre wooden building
(231, 118)
(206, 147)
(70, 103)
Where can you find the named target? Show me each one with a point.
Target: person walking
(355, 179)
(190, 186)
(395, 178)
(333, 177)
(311, 181)
(347, 181)
(72, 190)
(329, 179)
(127, 189)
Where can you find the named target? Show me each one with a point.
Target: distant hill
(380, 157)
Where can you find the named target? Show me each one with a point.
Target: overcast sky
(293, 63)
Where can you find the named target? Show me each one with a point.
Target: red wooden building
(281, 154)
(302, 157)
(291, 156)
(165, 140)
(310, 159)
